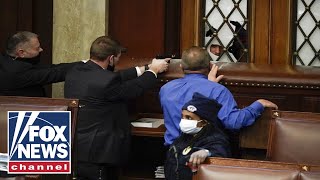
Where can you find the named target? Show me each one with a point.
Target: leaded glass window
(226, 30)
(307, 26)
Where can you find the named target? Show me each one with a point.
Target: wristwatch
(146, 67)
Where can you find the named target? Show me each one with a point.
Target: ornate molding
(271, 85)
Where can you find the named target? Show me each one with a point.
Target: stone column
(76, 24)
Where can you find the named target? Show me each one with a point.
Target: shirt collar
(93, 64)
(195, 75)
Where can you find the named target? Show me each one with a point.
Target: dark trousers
(94, 171)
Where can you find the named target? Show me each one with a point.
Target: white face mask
(189, 126)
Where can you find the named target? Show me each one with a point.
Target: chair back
(241, 169)
(294, 137)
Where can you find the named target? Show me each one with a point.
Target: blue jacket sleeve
(233, 117)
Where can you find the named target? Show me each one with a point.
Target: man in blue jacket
(195, 64)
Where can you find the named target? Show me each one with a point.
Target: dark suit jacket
(103, 127)
(20, 78)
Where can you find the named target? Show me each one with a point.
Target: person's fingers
(198, 160)
(271, 104)
(219, 78)
(214, 68)
(194, 161)
(191, 158)
(167, 59)
(267, 103)
(213, 73)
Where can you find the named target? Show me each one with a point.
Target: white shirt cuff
(155, 74)
(85, 60)
(139, 73)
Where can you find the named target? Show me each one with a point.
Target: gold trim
(270, 85)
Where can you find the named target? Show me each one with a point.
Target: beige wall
(76, 23)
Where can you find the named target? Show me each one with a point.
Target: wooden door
(270, 29)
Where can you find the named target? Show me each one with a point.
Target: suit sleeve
(128, 74)
(42, 76)
(233, 117)
(7, 80)
(131, 88)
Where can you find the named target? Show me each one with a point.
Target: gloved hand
(159, 65)
(198, 157)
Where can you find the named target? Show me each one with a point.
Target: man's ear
(111, 60)
(20, 53)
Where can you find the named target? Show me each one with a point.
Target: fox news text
(39, 142)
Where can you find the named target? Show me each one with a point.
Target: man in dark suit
(21, 75)
(103, 132)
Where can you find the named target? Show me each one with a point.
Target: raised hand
(159, 65)
(213, 73)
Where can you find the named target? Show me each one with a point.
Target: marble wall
(76, 24)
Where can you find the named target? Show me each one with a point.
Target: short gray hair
(18, 40)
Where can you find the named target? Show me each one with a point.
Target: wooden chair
(241, 169)
(256, 135)
(294, 137)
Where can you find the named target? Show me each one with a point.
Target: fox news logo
(39, 142)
